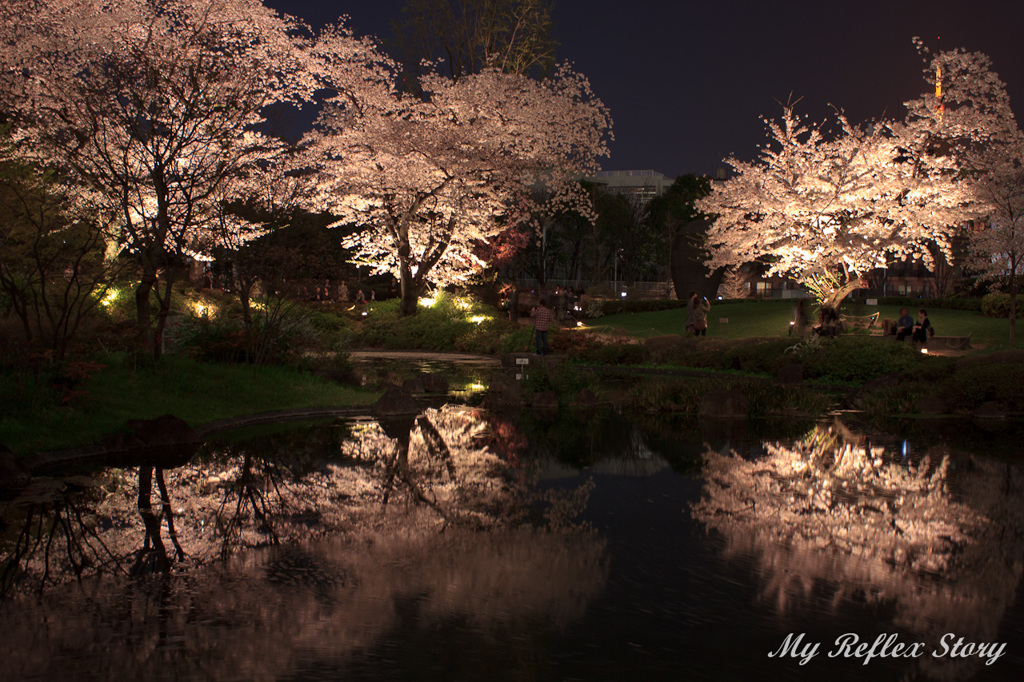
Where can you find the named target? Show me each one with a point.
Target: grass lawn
(767, 319)
(195, 392)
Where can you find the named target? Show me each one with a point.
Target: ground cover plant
(42, 413)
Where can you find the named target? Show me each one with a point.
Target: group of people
(828, 319)
(918, 331)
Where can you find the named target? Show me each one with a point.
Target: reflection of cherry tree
(438, 472)
(323, 602)
(945, 550)
(347, 571)
(438, 462)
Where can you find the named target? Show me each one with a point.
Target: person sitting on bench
(904, 325)
(923, 329)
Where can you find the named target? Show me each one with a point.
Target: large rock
(165, 442)
(414, 385)
(521, 360)
(164, 430)
(990, 410)
(433, 383)
(504, 391)
(12, 473)
(724, 404)
(396, 401)
(544, 400)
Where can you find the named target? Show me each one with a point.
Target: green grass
(195, 392)
(768, 319)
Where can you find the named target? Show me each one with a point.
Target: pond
(461, 544)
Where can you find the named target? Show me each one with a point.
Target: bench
(859, 321)
(950, 342)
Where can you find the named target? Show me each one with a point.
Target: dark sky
(687, 81)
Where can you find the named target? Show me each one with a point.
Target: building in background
(642, 184)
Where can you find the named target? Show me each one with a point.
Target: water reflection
(938, 541)
(319, 544)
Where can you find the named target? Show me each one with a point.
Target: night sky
(687, 82)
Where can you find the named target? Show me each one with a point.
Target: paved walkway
(424, 355)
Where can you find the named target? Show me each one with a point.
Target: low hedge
(948, 303)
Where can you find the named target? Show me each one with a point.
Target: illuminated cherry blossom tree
(826, 206)
(974, 124)
(155, 105)
(428, 178)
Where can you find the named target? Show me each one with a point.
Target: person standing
(542, 316)
(701, 308)
(513, 303)
(690, 303)
(799, 318)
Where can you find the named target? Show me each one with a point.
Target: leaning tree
(155, 105)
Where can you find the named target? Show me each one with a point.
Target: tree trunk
(409, 290)
(161, 318)
(144, 312)
(1013, 299)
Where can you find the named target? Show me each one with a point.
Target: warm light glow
(924, 350)
(462, 304)
(109, 298)
(203, 310)
(478, 318)
(579, 323)
(428, 302)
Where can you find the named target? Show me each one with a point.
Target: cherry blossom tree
(431, 177)
(974, 124)
(825, 208)
(155, 105)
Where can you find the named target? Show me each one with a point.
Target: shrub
(996, 305)
(948, 303)
(614, 354)
(857, 359)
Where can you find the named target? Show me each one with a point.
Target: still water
(464, 545)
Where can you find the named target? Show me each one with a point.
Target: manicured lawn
(195, 392)
(766, 319)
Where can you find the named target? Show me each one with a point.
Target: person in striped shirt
(542, 316)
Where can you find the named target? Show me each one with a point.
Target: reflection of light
(906, 448)
(579, 323)
(721, 298)
(428, 302)
(109, 299)
(477, 387)
(203, 310)
(478, 318)
(462, 304)
(623, 294)
(364, 313)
